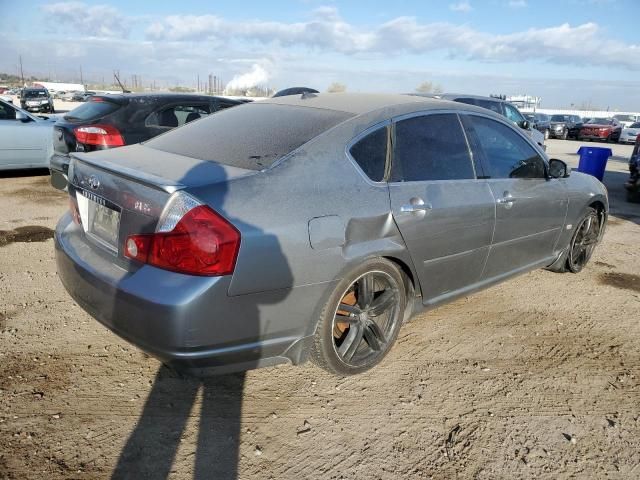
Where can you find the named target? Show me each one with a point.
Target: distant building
(525, 102)
(60, 87)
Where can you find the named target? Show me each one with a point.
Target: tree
(429, 87)
(337, 87)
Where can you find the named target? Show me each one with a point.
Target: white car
(25, 140)
(626, 120)
(630, 133)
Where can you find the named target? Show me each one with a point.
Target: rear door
(530, 209)
(445, 214)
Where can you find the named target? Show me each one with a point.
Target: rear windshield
(94, 108)
(251, 136)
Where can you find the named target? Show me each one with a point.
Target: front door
(530, 208)
(445, 215)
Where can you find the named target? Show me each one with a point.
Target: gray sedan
(25, 140)
(313, 226)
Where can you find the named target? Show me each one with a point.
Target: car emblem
(93, 182)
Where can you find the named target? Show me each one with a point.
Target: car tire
(584, 241)
(356, 330)
(633, 197)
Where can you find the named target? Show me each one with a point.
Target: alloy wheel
(584, 242)
(365, 319)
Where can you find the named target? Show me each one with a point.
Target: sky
(569, 52)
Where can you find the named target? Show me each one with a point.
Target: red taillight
(201, 243)
(104, 135)
(73, 208)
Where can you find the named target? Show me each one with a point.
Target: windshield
(600, 121)
(559, 118)
(34, 93)
(251, 136)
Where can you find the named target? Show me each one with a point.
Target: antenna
(124, 90)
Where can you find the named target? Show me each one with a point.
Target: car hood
(597, 125)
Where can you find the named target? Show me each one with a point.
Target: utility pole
(21, 72)
(81, 79)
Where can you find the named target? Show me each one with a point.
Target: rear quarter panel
(275, 211)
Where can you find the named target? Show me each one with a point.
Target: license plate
(100, 219)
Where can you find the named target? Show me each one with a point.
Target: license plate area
(100, 219)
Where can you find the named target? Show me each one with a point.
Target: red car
(602, 129)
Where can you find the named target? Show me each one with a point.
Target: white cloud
(327, 31)
(517, 3)
(464, 7)
(95, 21)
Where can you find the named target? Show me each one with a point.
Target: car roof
(157, 95)
(361, 103)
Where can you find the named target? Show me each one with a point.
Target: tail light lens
(103, 135)
(191, 238)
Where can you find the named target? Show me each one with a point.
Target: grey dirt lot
(536, 378)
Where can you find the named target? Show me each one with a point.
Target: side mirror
(524, 124)
(558, 169)
(21, 117)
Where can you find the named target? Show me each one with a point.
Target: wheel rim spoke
(351, 343)
(346, 319)
(353, 309)
(365, 291)
(382, 303)
(374, 336)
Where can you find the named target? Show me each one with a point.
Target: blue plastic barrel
(593, 160)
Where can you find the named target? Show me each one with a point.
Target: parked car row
(572, 126)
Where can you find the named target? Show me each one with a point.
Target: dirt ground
(536, 378)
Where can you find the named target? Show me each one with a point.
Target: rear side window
(432, 147)
(6, 112)
(92, 109)
(505, 153)
(251, 136)
(370, 152)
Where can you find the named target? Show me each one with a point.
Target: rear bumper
(188, 322)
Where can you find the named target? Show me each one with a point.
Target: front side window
(431, 147)
(506, 154)
(370, 152)
(512, 113)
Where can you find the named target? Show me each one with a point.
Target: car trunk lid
(123, 192)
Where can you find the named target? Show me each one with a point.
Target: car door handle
(507, 200)
(416, 205)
